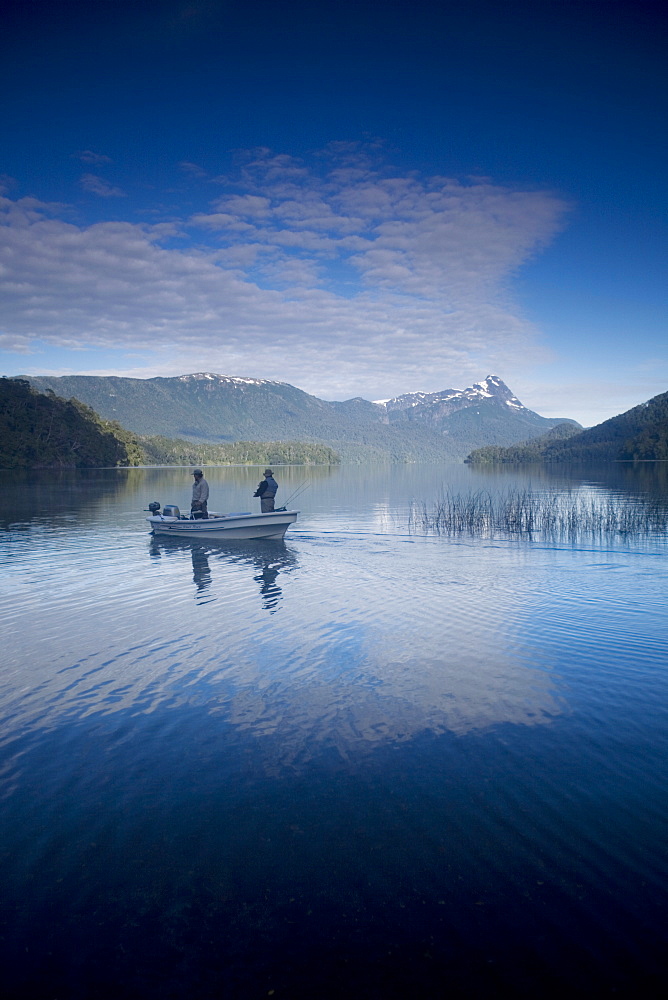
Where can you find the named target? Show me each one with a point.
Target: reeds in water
(527, 513)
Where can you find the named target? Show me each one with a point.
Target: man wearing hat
(266, 491)
(200, 494)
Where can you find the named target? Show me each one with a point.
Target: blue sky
(356, 198)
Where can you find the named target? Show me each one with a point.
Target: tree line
(43, 431)
(169, 451)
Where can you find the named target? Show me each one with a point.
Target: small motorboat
(171, 521)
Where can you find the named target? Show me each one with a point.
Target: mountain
(640, 433)
(524, 451)
(219, 408)
(431, 408)
(487, 410)
(41, 431)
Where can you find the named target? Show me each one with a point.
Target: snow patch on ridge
(236, 379)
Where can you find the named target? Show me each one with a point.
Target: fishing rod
(297, 493)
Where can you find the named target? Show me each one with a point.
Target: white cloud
(193, 169)
(246, 205)
(220, 220)
(88, 156)
(6, 183)
(344, 281)
(97, 185)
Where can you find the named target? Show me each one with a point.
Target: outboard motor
(171, 510)
(154, 508)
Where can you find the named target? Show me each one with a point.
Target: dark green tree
(45, 432)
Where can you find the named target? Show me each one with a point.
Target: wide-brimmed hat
(268, 472)
(197, 472)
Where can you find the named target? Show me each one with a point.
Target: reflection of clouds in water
(379, 701)
(375, 644)
(368, 660)
(344, 640)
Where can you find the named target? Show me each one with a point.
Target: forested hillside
(640, 434)
(525, 451)
(651, 442)
(40, 431)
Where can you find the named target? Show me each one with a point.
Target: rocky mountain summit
(450, 400)
(433, 407)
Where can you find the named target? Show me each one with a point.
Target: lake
(368, 761)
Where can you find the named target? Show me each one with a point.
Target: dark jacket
(267, 488)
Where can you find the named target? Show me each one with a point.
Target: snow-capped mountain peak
(451, 400)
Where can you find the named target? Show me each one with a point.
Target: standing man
(267, 491)
(200, 494)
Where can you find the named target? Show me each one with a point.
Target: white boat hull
(271, 525)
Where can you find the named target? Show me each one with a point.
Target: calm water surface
(363, 762)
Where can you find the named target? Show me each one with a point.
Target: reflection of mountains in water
(637, 479)
(267, 558)
(44, 494)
